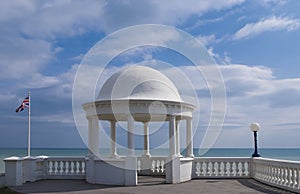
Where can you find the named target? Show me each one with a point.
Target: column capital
(92, 117)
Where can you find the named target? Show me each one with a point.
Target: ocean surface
(285, 154)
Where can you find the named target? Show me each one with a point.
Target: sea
(274, 153)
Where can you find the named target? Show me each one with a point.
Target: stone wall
(2, 180)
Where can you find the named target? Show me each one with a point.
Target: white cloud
(64, 118)
(269, 3)
(76, 17)
(7, 97)
(28, 28)
(254, 94)
(41, 81)
(21, 57)
(265, 25)
(118, 14)
(206, 40)
(10, 10)
(202, 22)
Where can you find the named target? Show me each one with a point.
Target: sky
(255, 44)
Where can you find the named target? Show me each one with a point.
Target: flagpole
(28, 146)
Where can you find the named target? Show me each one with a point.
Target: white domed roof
(139, 83)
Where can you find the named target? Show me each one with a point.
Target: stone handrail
(221, 167)
(279, 173)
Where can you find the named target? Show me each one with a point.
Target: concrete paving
(150, 185)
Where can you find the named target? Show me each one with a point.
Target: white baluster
(282, 171)
(240, 169)
(83, 167)
(210, 168)
(222, 169)
(59, 167)
(246, 168)
(270, 173)
(53, 167)
(157, 166)
(286, 176)
(216, 169)
(69, 167)
(228, 166)
(234, 169)
(290, 183)
(275, 174)
(49, 167)
(298, 178)
(204, 168)
(80, 167)
(198, 168)
(267, 171)
(278, 176)
(75, 167)
(294, 177)
(64, 167)
(153, 166)
(162, 166)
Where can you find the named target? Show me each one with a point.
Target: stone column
(113, 148)
(189, 138)
(130, 135)
(177, 138)
(93, 144)
(172, 138)
(146, 139)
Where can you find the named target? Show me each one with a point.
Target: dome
(139, 83)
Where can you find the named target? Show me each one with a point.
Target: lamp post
(255, 127)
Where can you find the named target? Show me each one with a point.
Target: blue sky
(255, 43)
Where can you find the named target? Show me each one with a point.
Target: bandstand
(138, 94)
(141, 94)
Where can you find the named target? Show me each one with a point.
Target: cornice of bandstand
(106, 107)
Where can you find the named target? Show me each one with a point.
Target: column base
(148, 155)
(130, 171)
(116, 156)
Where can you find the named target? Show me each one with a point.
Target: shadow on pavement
(261, 186)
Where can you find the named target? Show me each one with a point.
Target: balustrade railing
(151, 165)
(65, 167)
(158, 165)
(279, 173)
(221, 167)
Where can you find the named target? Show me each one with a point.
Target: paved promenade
(149, 185)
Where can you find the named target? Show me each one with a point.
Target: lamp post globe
(255, 128)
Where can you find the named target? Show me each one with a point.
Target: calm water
(287, 154)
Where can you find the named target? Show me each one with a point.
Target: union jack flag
(25, 104)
